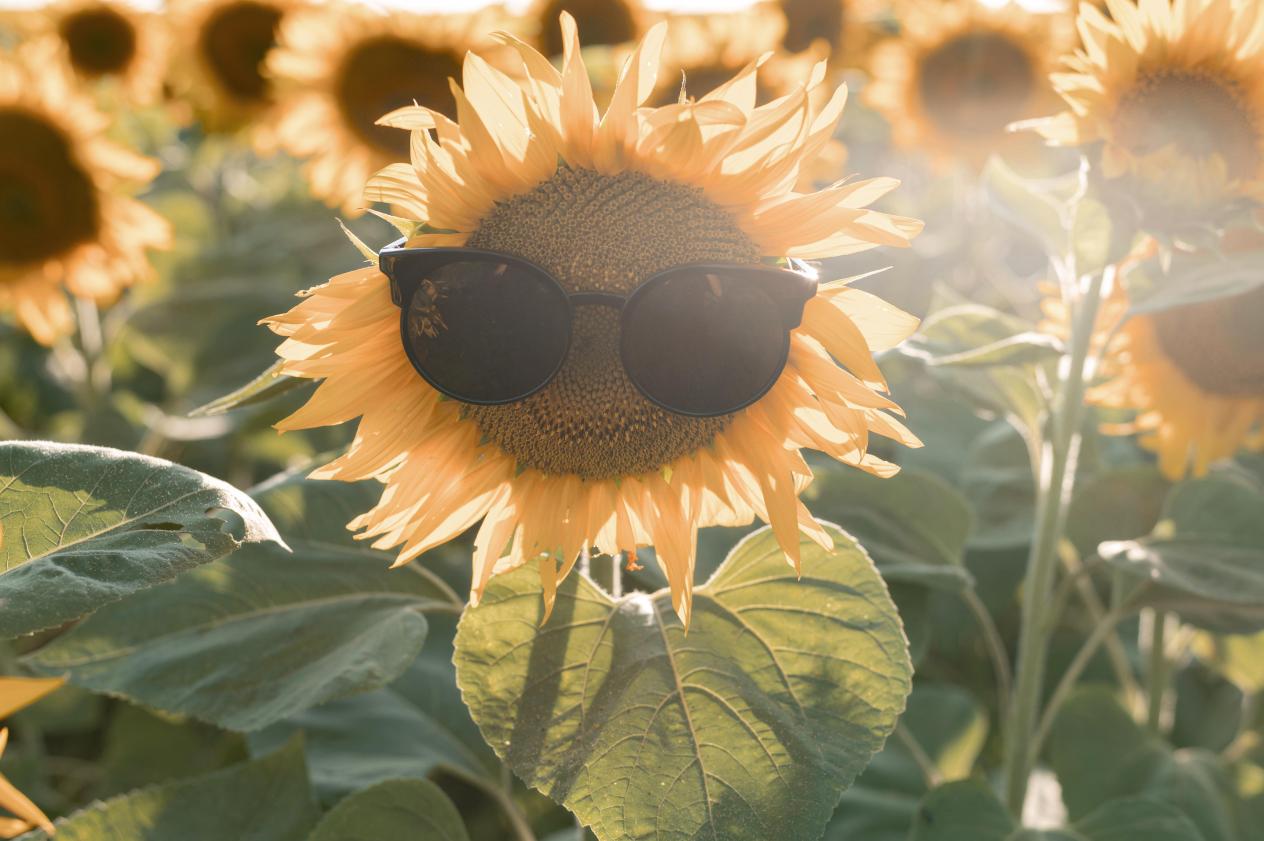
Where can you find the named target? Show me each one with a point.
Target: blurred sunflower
(219, 55)
(110, 42)
(340, 68)
(1174, 95)
(532, 168)
(15, 694)
(1194, 374)
(960, 74)
(846, 27)
(65, 222)
(602, 23)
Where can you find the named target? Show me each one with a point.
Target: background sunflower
(1173, 95)
(110, 43)
(69, 225)
(960, 73)
(340, 68)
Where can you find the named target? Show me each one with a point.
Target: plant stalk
(1157, 670)
(1057, 478)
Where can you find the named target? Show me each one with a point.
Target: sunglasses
(489, 328)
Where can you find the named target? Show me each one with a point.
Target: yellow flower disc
(530, 167)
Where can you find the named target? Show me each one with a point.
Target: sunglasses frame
(788, 288)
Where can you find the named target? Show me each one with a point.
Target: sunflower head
(530, 167)
(340, 68)
(108, 43)
(1172, 95)
(219, 64)
(960, 74)
(1191, 375)
(66, 223)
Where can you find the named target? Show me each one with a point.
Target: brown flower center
(234, 42)
(975, 84)
(48, 203)
(1218, 344)
(808, 20)
(601, 22)
(1200, 114)
(101, 41)
(387, 72)
(597, 232)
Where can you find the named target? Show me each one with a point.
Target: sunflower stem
(1157, 668)
(1057, 461)
(616, 576)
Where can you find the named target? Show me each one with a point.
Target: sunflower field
(632, 420)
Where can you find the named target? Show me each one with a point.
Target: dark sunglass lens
(487, 331)
(700, 343)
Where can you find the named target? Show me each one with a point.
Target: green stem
(504, 799)
(1057, 477)
(930, 772)
(1157, 672)
(1101, 632)
(1119, 662)
(995, 648)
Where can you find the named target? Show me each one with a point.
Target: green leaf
(397, 809)
(1041, 208)
(1100, 754)
(1120, 504)
(1027, 348)
(264, 800)
(1239, 657)
(967, 810)
(748, 727)
(1205, 559)
(271, 383)
(970, 811)
(1020, 391)
(409, 729)
(1138, 818)
(914, 525)
(84, 526)
(1194, 278)
(263, 634)
(951, 728)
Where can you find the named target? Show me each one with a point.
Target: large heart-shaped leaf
(84, 526)
(1205, 559)
(396, 809)
(749, 726)
(264, 800)
(264, 634)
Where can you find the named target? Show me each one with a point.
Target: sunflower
(107, 41)
(532, 168)
(1193, 374)
(15, 694)
(960, 74)
(339, 68)
(846, 27)
(219, 61)
(65, 224)
(1174, 95)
